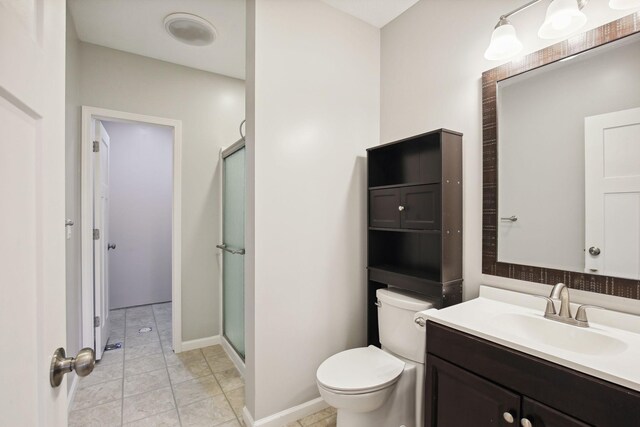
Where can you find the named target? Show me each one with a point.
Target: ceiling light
(504, 42)
(563, 18)
(623, 4)
(190, 29)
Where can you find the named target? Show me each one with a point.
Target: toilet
(371, 387)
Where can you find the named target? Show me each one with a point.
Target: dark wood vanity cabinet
(473, 382)
(415, 219)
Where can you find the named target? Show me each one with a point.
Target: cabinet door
(455, 398)
(540, 415)
(383, 208)
(420, 207)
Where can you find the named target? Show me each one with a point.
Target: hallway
(146, 384)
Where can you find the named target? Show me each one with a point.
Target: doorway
(233, 221)
(130, 228)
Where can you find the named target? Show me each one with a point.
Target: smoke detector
(190, 29)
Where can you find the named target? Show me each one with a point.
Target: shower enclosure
(233, 202)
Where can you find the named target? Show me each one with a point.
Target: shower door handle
(231, 251)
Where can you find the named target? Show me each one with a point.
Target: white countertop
(608, 349)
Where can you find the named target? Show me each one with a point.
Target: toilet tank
(396, 327)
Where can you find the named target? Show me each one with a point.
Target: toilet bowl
(372, 387)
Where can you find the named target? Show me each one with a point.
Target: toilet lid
(359, 369)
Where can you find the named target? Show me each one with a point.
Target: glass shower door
(233, 249)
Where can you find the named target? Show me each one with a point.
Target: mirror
(569, 163)
(561, 163)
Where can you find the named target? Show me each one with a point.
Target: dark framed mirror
(561, 162)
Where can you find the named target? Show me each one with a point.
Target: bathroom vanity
(496, 361)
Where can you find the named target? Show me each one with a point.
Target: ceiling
(375, 12)
(137, 27)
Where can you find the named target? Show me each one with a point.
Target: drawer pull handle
(508, 417)
(400, 208)
(526, 423)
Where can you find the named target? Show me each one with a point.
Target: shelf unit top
(422, 135)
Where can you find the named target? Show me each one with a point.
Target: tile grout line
(224, 393)
(175, 402)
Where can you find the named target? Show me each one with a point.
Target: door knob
(111, 246)
(594, 251)
(83, 364)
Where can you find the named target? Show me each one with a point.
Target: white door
(32, 243)
(612, 194)
(101, 237)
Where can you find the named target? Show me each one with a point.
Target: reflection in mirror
(569, 163)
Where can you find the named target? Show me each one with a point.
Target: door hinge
(96, 146)
(96, 321)
(96, 234)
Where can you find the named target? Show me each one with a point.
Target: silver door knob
(526, 423)
(400, 208)
(594, 251)
(111, 246)
(83, 364)
(508, 417)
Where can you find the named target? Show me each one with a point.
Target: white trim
(287, 416)
(88, 114)
(200, 343)
(72, 392)
(237, 361)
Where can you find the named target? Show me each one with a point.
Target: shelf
(405, 230)
(408, 184)
(414, 273)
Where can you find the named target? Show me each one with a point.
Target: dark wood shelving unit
(415, 219)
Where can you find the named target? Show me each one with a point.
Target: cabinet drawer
(383, 208)
(421, 207)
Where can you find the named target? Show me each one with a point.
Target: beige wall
(431, 66)
(72, 191)
(313, 109)
(211, 108)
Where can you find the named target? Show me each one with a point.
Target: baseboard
(200, 343)
(72, 392)
(237, 361)
(288, 415)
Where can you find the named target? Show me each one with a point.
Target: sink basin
(585, 341)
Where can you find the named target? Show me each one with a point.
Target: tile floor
(146, 384)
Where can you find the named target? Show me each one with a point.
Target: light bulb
(504, 42)
(563, 18)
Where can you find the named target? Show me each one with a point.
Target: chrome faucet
(561, 291)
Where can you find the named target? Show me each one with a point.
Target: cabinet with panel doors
(415, 219)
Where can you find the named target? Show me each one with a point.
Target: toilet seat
(359, 370)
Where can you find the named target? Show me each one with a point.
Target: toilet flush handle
(420, 321)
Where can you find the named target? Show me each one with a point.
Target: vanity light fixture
(563, 17)
(624, 4)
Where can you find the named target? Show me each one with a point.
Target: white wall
(431, 68)
(313, 108)
(140, 203)
(211, 108)
(72, 190)
(542, 151)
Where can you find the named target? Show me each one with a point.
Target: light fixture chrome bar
(231, 251)
(520, 9)
(581, 5)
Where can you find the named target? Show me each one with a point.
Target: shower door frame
(231, 351)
